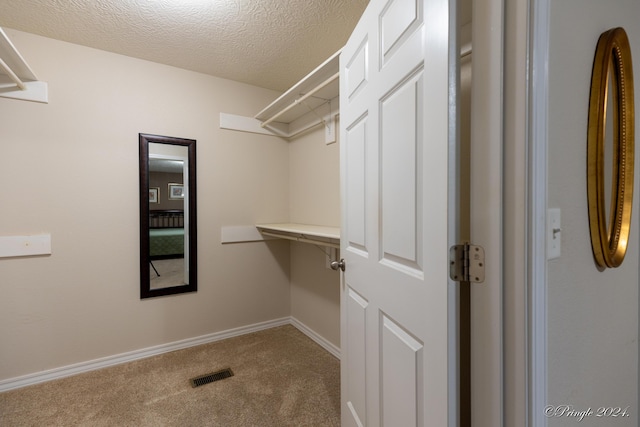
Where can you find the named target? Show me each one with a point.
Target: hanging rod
(466, 51)
(302, 98)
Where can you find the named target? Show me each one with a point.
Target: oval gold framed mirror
(610, 148)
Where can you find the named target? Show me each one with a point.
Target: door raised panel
(355, 140)
(356, 356)
(356, 71)
(401, 175)
(401, 358)
(398, 20)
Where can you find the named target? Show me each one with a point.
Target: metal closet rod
(302, 98)
(278, 132)
(12, 75)
(466, 51)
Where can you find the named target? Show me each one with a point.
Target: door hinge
(466, 263)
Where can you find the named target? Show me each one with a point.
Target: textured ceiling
(267, 43)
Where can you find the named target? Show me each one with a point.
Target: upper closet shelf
(316, 234)
(17, 80)
(312, 101)
(317, 88)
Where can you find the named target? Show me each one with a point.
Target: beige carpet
(282, 378)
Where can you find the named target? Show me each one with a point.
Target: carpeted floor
(281, 378)
(171, 273)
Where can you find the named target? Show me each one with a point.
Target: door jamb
(537, 208)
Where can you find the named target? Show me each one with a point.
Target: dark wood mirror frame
(145, 283)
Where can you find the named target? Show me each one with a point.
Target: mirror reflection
(608, 151)
(167, 216)
(168, 258)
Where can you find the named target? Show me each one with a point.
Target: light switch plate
(554, 233)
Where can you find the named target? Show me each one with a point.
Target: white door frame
(526, 356)
(525, 101)
(539, 25)
(486, 211)
(510, 57)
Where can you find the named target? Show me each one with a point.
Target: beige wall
(57, 164)
(315, 179)
(315, 199)
(592, 316)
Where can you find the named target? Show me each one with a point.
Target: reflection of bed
(166, 234)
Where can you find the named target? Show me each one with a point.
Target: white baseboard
(321, 341)
(78, 368)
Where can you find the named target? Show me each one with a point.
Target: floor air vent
(212, 377)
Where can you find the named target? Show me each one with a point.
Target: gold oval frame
(609, 236)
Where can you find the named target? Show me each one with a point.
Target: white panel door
(395, 169)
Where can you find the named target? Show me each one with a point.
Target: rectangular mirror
(168, 253)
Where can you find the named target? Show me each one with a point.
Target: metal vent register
(212, 377)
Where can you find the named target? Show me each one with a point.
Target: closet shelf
(315, 234)
(312, 101)
(317, 88)
(17, 80)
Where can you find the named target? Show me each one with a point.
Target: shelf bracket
(9, 72)
(329, 123)
(17, 80)
(301, 99)
(330, 130)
